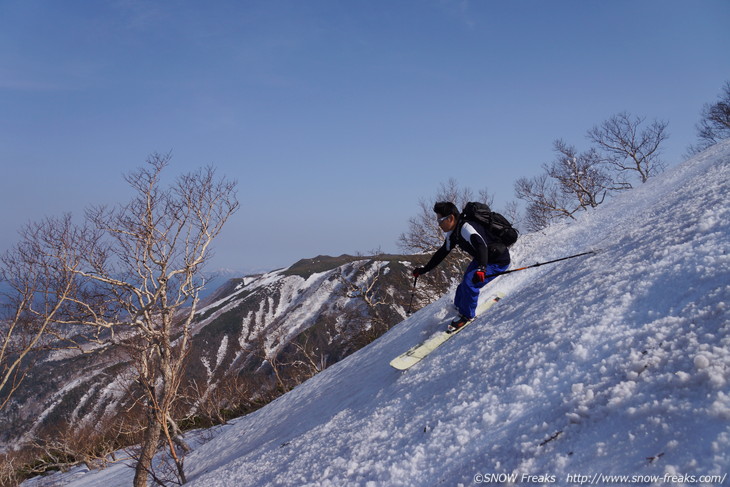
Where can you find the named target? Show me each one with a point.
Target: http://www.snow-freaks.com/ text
(598, 479)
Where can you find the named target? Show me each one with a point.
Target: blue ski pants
(467, 294)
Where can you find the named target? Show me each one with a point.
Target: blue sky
(335, 117)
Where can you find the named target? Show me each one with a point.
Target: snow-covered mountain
(615, 364)
(247, 335)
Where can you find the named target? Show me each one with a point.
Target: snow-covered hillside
(614, 364)
(238, 331)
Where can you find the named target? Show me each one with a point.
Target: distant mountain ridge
(249, 330)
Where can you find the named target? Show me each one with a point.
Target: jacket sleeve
(437, 257)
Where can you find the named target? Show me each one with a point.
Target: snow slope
(614, 364)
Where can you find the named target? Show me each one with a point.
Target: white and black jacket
(472, 238)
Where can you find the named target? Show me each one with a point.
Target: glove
(479, 276)
(419, 271)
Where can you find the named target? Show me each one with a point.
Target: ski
(422, 350)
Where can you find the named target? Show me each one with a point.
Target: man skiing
(489, 256)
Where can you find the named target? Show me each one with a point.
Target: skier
(489, 256)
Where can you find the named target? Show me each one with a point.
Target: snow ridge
(589, 365)
(614, 364)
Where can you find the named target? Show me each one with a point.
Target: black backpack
(497, 225)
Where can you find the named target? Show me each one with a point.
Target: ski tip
(400, 367)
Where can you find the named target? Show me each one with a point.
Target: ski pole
(412, 295)
(541, 263)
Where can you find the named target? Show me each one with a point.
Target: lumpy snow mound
(612, 365)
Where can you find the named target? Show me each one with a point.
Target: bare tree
(38, 274)
(629, 149)
(714, 125)
(367, 287)
(576, 181)
(580, 175)
(216, 403)
(545, 201)
(311, 360)
(156, 247)
(72, 445)
(146, 257)
(424, 234)
(572, 182)
(513, 214)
